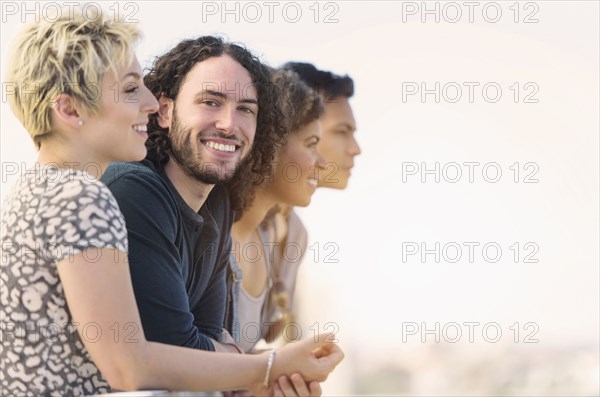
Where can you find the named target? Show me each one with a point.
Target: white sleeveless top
(250, 318)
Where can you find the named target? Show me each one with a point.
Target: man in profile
(338, 145)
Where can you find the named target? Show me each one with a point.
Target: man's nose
(226, 119)
(354, 148)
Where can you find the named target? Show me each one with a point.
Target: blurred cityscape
(447, 370)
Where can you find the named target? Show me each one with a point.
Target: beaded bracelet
(269, 366)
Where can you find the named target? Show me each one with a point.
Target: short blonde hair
(69, 55)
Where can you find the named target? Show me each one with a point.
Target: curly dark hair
(330, 85)
(165, 78)
(300, 105)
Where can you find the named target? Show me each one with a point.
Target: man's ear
(165, 112)
(65, 111)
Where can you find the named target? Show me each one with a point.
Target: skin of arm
(100, 292)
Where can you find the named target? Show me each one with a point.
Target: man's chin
(214, 173)
(212, 179)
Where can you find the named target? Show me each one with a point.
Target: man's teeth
(141, 128)
(221, 147)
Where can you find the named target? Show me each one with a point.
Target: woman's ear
(65, 111)
(165, 111)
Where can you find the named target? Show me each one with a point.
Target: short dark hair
(166, 77)
(330, 85)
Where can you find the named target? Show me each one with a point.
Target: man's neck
(193, 192)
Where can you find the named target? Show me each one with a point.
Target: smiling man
(215, 117)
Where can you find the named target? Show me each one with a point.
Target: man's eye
(210, 103)
(247, 110)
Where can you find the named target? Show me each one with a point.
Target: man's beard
(190, 162)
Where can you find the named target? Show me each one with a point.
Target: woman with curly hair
(265, 292)
(70, 322)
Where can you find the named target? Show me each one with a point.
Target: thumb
(333, 357)
(319, 352)
(324, 350)
(325, 339)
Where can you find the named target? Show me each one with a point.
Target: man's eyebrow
(249, 100)
(205, 93)
(345, 125)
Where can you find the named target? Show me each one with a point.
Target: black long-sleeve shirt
(178, 258)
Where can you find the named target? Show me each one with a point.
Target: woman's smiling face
(297, 166)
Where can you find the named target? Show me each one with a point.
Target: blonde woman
(70, 323)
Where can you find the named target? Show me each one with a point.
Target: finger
(300, 385)
(319, 352)
(277, 391)
(335, 356)
(286, 387)
(324, 349)
(315, 389)
(325, 339)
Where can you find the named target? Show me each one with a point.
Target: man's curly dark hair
(165, 78)
(330, 85)
(300, 105)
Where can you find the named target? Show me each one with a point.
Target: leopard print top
(49, 215)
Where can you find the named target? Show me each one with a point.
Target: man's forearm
(227, 344)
